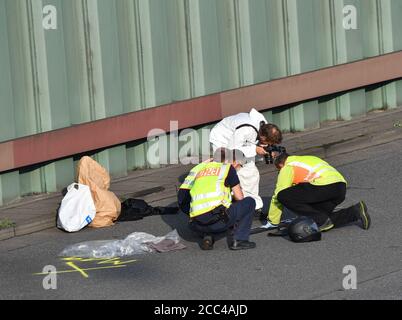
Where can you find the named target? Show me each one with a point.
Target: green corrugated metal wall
(109, 57)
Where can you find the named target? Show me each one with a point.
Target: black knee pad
(281, 196)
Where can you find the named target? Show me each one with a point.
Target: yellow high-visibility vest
(206, 183)
(301, 169)
(311, 169)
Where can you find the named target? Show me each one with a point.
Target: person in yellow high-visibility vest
(206, 196)
(309, 186)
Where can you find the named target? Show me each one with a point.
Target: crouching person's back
(212, 197)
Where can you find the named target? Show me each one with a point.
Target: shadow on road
(180, 222)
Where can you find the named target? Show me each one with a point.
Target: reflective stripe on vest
(206, 196)
(209, 190)
(189, 181)
(306, 173)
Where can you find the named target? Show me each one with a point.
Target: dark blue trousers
(240, 215)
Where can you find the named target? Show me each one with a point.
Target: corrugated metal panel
(109, 57)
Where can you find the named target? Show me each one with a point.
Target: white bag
(77, 208)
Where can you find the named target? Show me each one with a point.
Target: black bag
(137, 209)
(134, 209)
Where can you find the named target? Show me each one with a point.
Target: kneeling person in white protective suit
(249, 133)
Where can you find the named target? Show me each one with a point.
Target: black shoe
(259, 215)
(242, 245)
(230, 235)
(362, 214)
(326, 226)
(207, 243)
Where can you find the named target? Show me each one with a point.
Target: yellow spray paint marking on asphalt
(77, 269)
(72, 263)
(113, 261)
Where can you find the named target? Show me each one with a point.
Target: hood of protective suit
(225, 135)
(256, 118)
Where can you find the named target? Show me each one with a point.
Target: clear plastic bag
(135, 243)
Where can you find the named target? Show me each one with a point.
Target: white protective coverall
(226, 135)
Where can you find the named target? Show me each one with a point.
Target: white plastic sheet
(135, 243)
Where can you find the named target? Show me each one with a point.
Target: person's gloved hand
(269, 226)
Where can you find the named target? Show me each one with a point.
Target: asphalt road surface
(276, 269)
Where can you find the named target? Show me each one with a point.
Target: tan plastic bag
(108, 206)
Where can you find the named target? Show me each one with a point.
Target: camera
(269, 159)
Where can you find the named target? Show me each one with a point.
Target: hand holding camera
(271, 152)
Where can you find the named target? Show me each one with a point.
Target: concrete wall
(109, 57)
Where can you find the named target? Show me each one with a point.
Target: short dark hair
(271, 132)
(281, 159)
(224, 154)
